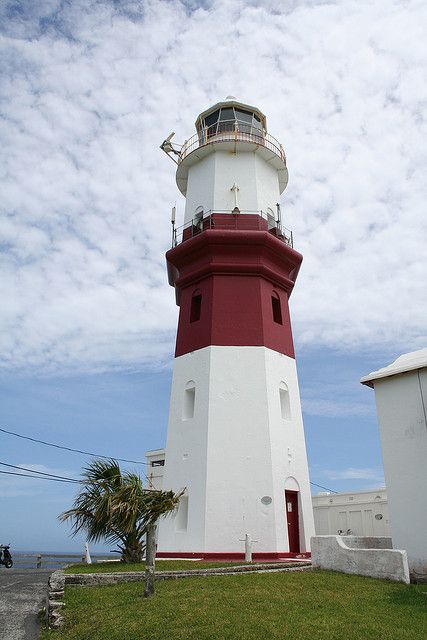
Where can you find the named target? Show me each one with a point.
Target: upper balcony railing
(230, 220)
(231, 131)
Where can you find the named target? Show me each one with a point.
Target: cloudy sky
(88, 91)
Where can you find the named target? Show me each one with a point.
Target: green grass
(298, 606)
(161, 565)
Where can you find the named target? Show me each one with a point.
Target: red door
(291, 504)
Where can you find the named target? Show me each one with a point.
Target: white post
(235, 188)
(248, 548)
(88, 559)
(150, 560)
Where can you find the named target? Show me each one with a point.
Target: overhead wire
(25, 475)
(59, 446)
(41, 473)
(321, 487)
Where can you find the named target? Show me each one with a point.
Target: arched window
(285, 405)
(276, 308)
(189, 400)
(181, 521)
(196, 306)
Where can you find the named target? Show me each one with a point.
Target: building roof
(404, 363)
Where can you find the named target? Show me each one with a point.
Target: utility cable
(52, 476)
(41, 473)
(59, 446)
(25, 475)
(320, 487)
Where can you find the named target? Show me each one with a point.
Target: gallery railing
(231, 131)
(232, 220)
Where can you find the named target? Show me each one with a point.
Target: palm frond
(116, 507)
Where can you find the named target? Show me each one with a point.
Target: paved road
(21, 595)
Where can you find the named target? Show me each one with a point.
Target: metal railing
(232, 220)
(231, 131)
(52, 560)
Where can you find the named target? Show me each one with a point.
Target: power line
(59, 446)
(41, 473)
(320, 487)
(53, 479)
(25, 475)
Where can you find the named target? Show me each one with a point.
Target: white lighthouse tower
(235, 436)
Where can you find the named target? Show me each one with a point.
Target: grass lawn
(161, 565)
(281, 606)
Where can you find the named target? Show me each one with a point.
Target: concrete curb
(95, 579)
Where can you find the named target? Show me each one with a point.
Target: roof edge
(412, 361)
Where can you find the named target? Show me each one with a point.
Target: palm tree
(115, 507)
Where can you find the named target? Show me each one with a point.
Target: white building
(358, 513)
(401, 399)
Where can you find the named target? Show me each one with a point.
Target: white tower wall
(236, 450)
(211, 179)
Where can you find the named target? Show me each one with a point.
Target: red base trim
(231, 556)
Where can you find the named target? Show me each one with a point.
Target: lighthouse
(235, 437)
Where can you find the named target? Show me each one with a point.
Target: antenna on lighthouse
(173, 216)
(168, 147)
(279, 215)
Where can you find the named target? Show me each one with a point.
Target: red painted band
(234, 274)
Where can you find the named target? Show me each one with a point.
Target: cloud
(351, 473)
(335, 408)
(90, 89)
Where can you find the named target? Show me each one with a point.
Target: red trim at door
(292, 519)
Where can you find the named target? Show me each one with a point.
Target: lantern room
(231, 164)
(231, 116)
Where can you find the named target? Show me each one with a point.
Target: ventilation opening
(189, 400)
(285, 405)
(196, 307)
(181, 521)
(277, 310)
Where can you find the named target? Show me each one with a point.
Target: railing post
(39, 562)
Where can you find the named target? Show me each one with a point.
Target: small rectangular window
(196, 308)
(158, 463)
(277, 311)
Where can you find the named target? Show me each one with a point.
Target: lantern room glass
(227, 119)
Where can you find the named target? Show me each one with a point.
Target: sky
(88, 91)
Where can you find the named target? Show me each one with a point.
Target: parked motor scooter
(5, 557)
